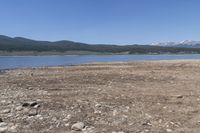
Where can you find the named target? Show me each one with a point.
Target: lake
(12, 62)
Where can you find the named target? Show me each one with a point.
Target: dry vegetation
(131, 97)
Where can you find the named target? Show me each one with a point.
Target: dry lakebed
(118, 97)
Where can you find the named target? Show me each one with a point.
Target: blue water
(12, 62)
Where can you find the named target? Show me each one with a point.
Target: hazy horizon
(96, 43)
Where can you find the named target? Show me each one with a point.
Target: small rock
(3, 124)
(89, 130)
(115, 112)
(54, 119)
(180, 96)
(3, 129)
(78, 126)
(19, 108)
(3, 101)
(39, 117)
(25, 110)
(169, 130)
(25, 104)
(160, 121)
(13, 129)
(32, 104)
(32, 112)
(98, 105)
(67, 125)
(147, 123)
(36, 106)
(1, 120)
(6, 111)
(69, 116)
(148, 116)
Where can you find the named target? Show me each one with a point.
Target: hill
(20, 44)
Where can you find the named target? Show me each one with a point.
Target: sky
(102, 21)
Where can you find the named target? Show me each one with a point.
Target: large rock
(78, 126)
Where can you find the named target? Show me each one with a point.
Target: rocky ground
(131, 97)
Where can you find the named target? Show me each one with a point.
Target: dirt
(122, 97)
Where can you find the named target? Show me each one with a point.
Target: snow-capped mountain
(184, 44)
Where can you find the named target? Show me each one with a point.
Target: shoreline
(93, 63)
(81, 53)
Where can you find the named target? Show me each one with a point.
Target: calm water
(11, 62)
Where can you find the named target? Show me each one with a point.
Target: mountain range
(183, 44)
(21, 44)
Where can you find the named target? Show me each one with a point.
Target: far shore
(54, 53)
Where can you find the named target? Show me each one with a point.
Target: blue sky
(102, 21)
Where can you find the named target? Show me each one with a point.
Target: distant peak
(3, 36)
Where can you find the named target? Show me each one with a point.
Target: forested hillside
(22, 44)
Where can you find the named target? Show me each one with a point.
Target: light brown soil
(133, 97)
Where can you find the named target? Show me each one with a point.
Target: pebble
(115, 112)
(19, 108)
(69, 116)
(3, 129)
(13, 129)
(67, 125)
(179, 96)
(89, 130)
(3, 101)
(3, 124)
(25, 104)
(32, 112)
(98, 105)
(6, 111)
(169, 130)
(148, 116)
(78, 126)
(32, 104)
(1, 120)
(36, 106)
(39, 117)
(54, 119)
(147, 124)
